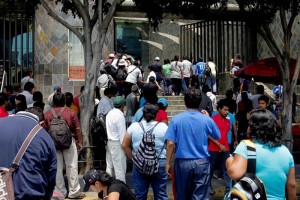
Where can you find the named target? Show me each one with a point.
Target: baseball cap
(122, 62)
(157, 58)
(90, 178)
(57, 89)
(111, 55)
(119, 101)
(163, 101)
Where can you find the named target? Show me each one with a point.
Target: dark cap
(90, 178)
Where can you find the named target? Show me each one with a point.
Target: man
(263, 102)
(27, 78)
(157, 68)
(132, 104)
(219, 150)
(69, 156)
(134, 75)
(28, 92)
(35, 178)
(192, 157)
(259, 92)
(200, 69)
(187, 71)
(230, 101)
(211, 78)
(106, 104)
(116, 128)
(3, 105)
(206, 103)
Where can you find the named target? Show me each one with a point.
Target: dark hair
(28, 86)
(107, 91)
(205, 88)
(161, 106)
(264, 128)
(210, 59)
(81, 88)
(200, 59)
(260, 89)
(22, 98)
(166, 61)
(39, 104)
(69, 98)
(27, 73)
(229, 94)
(152, 79)
(9, 88)
(37, 96)
(22, 106)
(176, 58)
(3, 98)
(222, 103)
(150, 111)
(192, 98)
(37, 111)
(59, 99)
(264, 98)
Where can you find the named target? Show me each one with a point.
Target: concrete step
(176, 107)
(174, 112)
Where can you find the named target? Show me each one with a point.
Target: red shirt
(161, 115)
(3, 112)
(224, 126)
(68, 115)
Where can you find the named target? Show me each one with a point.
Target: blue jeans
(211, 82)
(192, 179)
(158, 183)
(215, 158)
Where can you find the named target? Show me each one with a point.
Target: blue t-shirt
(272, 167)
(136, 133)
(231, 118)
(189, 130)
(138, 115)
(201, 67)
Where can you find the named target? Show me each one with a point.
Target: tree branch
(56, 17)
(283, 17)
(95, 16)
(82, 10)
(290, 24)
(270, 37)
(109, 15)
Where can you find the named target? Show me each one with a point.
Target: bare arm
(222, 148)
(170, 152)
(126, 145)
(291, 185)
(236, 166)
(79, 138)
(113, 196)
(234, 131)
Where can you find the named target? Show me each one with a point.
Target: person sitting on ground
(274, 163)
(106, 186)
(162, 115)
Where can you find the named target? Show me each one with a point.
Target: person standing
(211, 79)
(187, 71)
(106, 104)
(132, 104)
(28, 92)
(219, 150)
(27, 78)
(134, 75)
(133, 137)
(274, 163)
(176, 75)
(167, 73)
(201, 69)
(116, 128)
(35, 178)
(192, 167)
(157, 68)
(259, 92)
(68, 157)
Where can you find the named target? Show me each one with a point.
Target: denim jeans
(211, 82)
(168, 85)
(192, 178)
(158, 183)
(215, 158)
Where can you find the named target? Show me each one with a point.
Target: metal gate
(221, 40)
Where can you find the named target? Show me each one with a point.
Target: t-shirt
(176, 67)
(3, 112)
(224, 126)
(122, 189)
(272, 167)
(136, 133)
(187, 65)
(231, 118)
(200, 68)
(190, 130)
(157, 68)
(161, 115)
(134, 74)
(152, 73)
(167, 69)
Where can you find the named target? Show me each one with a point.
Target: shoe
(81, 195)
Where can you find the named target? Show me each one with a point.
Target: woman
(133, 138)
(176, 75)
(21, 104)
(70, 102)
(274, 162)
(107, 187)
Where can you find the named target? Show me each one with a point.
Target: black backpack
(121, 73)
(111, 70)
(59, 131)
(249, 187)
(146, 159)
(98, 128)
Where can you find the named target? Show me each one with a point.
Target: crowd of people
(189, 148)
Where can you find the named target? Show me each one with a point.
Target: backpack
(98, 128)
(121, 73)
(111, 70)
(146, 159)
(249, 187)
(60, 131)
(6, 175)
(207, 71)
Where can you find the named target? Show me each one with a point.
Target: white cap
(157, 58)
(122, 62)
(111, 55)
(124, 57)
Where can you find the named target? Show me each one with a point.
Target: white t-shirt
(115, 125)
(133, 74)
(187, 65)
(212, 68)
(152, 73)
